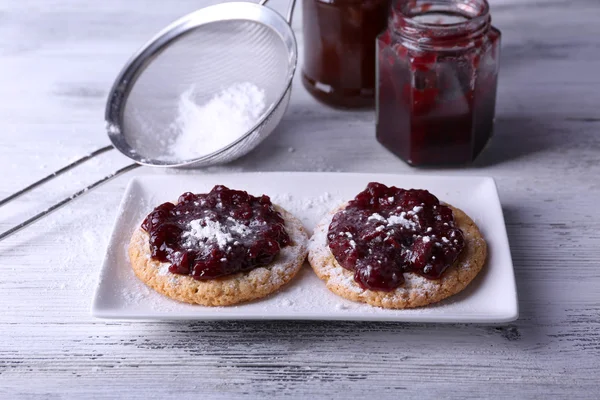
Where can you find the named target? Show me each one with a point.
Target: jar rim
(472, 10)
(476, 14)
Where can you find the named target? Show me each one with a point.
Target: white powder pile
(203, 129)
(202, 230)
(403, 219)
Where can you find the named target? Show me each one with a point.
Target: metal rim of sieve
(125, 81)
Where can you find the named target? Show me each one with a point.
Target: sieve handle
(55, 174)
(58, 205)
(290, 12)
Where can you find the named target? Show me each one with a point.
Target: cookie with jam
(220, 248)
(397, 248)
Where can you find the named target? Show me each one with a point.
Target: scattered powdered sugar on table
(285, 302)
(141, 293)
(203, 129)
(78, 239)
(136, 295)
(307, 293)
(311, 162)
(309, 209)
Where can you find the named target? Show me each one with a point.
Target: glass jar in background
(437, 69)
(339, 49)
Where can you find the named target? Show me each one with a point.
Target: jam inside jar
(339, 50)
(437, 71)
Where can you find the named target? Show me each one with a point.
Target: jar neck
(440, 24)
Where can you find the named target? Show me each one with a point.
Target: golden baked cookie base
(229, 290)
(416, 291)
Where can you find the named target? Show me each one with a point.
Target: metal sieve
(210, 49)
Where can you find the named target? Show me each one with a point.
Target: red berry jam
(220, 233)
(386, 231)
(339, 49)
(437, 69)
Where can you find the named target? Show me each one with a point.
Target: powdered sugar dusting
(204, 230)
(405, 219)
(376, 217)
(401, 220)
(310, 209)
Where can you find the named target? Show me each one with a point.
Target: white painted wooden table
(57, 60)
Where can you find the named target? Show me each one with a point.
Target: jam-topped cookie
(218, 248)
(396, 248)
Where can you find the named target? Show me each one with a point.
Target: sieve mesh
(210, 57)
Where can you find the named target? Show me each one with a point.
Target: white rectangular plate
(491, 297)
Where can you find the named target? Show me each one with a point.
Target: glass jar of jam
(437, 70)
(339, 49)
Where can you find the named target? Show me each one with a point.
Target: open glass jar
(339, 49)
(437, 69)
